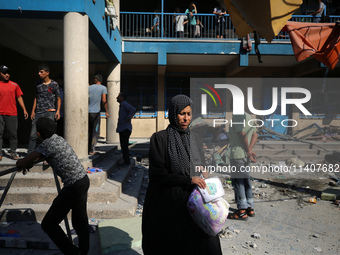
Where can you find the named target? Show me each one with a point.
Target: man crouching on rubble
(73, 196)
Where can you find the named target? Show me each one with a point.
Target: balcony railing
(139, 25)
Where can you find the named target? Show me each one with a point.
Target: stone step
(40, 180)
(33, 195)
(125, 206)
(36, 177)
(108, 192)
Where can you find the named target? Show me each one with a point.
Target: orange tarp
(320, 40)
(267, 17)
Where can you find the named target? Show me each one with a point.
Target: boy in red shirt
(9, 91)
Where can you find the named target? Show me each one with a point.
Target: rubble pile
(312, 132)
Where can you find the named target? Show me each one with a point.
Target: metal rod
(8, 186)
(8, 171)
(57, 184)
(14, 171)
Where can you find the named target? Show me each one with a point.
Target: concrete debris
(256, 235)
(229, 232)
(253, 245)
(318, 249)
(228, 186)
(260, 195)
(333, 184)
(250, 244)
(295, 162)
(333, 157)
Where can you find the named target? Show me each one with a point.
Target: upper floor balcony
(178, 26)
(153, 38)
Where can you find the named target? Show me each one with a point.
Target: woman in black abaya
(167, 227)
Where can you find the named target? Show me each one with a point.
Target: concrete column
(76, 68)
(113, 89)
(160, 98)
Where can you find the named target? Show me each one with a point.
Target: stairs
(113, 193)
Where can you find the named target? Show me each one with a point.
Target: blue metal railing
(140, 25)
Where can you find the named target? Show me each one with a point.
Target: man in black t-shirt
(44, 104)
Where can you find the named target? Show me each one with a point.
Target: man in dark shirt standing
(44, 104)
(124, 127)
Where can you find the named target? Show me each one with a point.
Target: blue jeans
(34, 136)
(242, 184)
(11, 123)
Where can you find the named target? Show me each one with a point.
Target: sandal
(250, 212)
(238, 215)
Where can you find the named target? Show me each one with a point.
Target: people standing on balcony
(167, 226)
(124, 127)
(191, 19)
(319, 12)
(180, 21)
(97, 95)
(198, 29)
(73, 196)
(46, 103)
(9, 93)
(219, 21)
(155, 25)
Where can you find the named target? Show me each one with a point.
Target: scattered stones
(228, 232)
(318, 249)
(250, 244)
(333, 183)
(228, 186)
(256, 235)
(237, 231)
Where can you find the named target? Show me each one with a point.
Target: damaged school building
(79, 39)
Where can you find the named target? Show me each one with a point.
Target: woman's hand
(198, 181)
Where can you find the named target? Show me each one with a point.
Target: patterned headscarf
(179, 141)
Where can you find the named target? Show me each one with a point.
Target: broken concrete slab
(331, 194)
